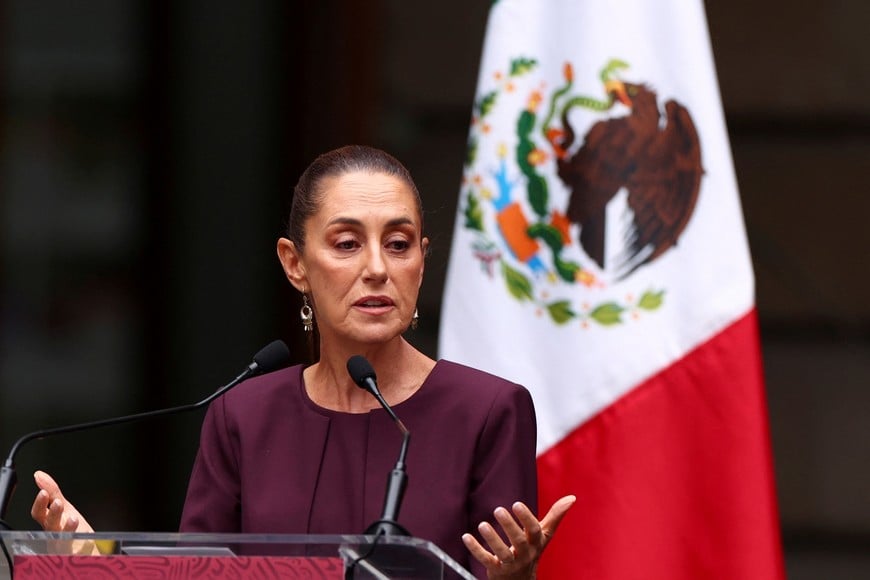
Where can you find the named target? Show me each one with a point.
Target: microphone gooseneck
(273, 356)
(363, 375)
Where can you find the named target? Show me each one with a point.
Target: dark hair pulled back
(308, 193)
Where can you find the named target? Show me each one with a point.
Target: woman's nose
(375, 265)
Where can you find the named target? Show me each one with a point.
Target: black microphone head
(272, 357)
(361, 369)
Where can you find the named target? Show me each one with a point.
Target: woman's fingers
(40, 504)
(554, 517)
(531, 528)
(502, 551)
(50, 509)
(527, 536)
(523, 532)
(47, 508)
(47, 482)
(514, 531)
(54, 513)
(479, 553)
(71, 524)
(54, 518)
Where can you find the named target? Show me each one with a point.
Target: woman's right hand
(54, 513)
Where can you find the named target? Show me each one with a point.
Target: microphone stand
(271, 357)
(364, 376)
(397, 480)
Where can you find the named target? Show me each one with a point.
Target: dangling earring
(306, 314)
(415, 320)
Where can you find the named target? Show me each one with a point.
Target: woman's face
(363, 258)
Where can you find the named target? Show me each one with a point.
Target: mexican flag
(600, 259)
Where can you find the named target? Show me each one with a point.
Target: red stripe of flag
(675, 479)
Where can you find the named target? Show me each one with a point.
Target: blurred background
(147, 153)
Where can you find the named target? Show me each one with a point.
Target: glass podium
(35, 554)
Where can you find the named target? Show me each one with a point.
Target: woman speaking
(305, 450)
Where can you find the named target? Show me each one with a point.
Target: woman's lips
(375, 304)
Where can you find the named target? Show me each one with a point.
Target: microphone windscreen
(360, 369)
(272, 357)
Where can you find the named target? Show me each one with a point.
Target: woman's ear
(291, 262)
(425, 245)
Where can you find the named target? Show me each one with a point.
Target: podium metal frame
(262, 556)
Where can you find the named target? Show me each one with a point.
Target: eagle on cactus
(654, 154)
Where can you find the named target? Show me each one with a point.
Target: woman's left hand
(528, 537)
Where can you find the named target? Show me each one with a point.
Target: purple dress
(272, 461)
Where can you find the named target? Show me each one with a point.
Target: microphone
(271, 357)
(363, 375)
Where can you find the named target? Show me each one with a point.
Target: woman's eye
(398, 245)
(346, 245)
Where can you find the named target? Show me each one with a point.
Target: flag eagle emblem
(649, 158)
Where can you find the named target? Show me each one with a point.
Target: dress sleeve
(213, 494)
(504, 467)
